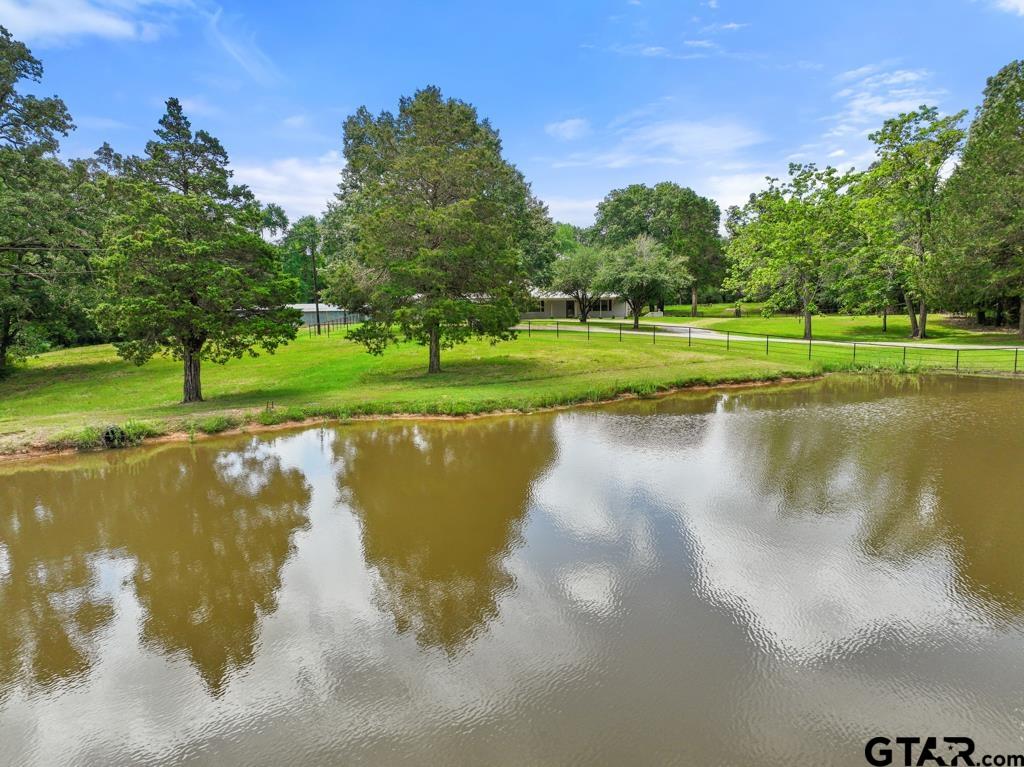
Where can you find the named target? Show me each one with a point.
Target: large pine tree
(186, 271)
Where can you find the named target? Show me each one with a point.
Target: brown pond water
(764, 576)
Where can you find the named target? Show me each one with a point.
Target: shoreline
(255, 427)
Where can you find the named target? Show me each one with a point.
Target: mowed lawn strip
(45, 402)
(840, 327)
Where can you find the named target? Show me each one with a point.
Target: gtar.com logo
(911, 751)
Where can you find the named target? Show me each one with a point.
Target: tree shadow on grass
(464, 372)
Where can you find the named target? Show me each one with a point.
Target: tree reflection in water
(206, 532)
(441, 506)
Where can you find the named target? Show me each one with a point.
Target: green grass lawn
(841, 327)
(62, 398)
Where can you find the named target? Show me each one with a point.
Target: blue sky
(588, 96)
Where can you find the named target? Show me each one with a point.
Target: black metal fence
(965, 359)
(324, 327)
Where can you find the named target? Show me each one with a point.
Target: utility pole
(316, 287)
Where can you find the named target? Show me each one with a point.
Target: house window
(542, 306)
(603, 305)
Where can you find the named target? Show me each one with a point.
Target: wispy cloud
(242, 48)
(54, 22)
(1012, 6)
(301, 185)
(668, 142)
(572, 210)
(875, 92)
(568, 130)
(649, 51)
(296, 121)
(730, 26)
(197, 105)
(100, 123)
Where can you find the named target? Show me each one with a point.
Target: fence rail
(963, 359)
(324, 327)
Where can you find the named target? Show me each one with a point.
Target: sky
(588, 96)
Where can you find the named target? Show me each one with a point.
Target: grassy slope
(65, 391)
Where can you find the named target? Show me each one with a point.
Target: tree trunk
(885, 319)
(584, 310)
(636, 316)
(1020, 318)
(193, 389)
(435, 350)
(913, 317)
(5, 341)
(922, 329)
(693, 300)
(807, 325)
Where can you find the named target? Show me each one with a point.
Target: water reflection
(764, 576)
(441, 507)
(202, 535)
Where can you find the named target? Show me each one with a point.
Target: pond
(748, 576)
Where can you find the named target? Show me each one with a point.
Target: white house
(328, 313)
(559, 306)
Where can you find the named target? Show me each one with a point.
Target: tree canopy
(186, 272)
(441, 226)
(787, 240)
(681, 221)
(642, 274)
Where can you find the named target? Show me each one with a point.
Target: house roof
(312, 307)
(549, 295)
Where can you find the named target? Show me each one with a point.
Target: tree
(186, 272)
(274, 220)
(440, 226)
(27, 122)
(575, 273)
(912, 150)
(42, 231)
(642, 274)
(789, 238)
(301, 255)
(986, 193)
(683, 222)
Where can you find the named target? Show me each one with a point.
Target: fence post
(1016, 353)
(766, 345)
(654, 334)
(854, 352)
(904, 356)
(529, 329)
(620, 332)
(727, 340)
(957, 360)
(556, 328)
(588, 331)
(689, 336)
(809, 342)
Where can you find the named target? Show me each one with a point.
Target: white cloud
(197, 105)
(302, 186)
(59, 21)
(875, 97)
(1012, 6)
(296, 121)
(579, 211)
(100, 123)
(699, 43)
(669, 142)
(647, 51)
(732, 189)
(242, 48)
(567, 130)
